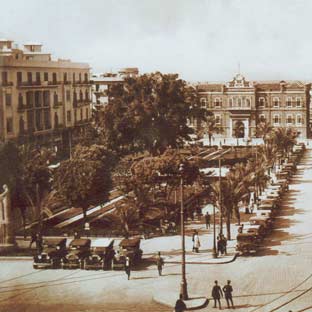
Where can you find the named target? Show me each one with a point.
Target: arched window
(298, 101)
(87, 95)
(81, 95)
(288, 102)
(239, 102)
(276, 119)
(203, 102)
(299, 119)
(247, 101)
(217, 102)
(276, 102)
(289, 119)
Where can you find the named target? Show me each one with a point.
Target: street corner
(169, 299)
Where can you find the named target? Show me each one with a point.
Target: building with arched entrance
(239, 105)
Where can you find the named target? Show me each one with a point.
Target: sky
(202, 40)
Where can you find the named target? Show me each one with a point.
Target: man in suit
(217, 294)
(228, 289)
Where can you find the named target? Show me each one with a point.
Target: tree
(85, 179)
(210, 127)
(148, 113)
(238, 130)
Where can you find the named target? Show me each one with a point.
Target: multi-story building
(242, 104)
(101, 84)
(40, 98)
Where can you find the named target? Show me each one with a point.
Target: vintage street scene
(155, 155)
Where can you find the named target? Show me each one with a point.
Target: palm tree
(210, 127)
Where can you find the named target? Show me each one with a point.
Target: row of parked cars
(251, 235)
(87, 254)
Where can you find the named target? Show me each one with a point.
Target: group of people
(217, 293)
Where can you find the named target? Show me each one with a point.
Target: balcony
(82, 82)
(6, 84)
(21, 108)
(57, 104)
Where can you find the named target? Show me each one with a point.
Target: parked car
(79, 250)
(246, 243)
(127, 248)
(257, 230)
(101, 255)
(266, 222)
(54, 249)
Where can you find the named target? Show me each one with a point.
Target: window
(288, 102)
(298, 102)
(67, 95)
(68, 114)
(87, 95)
(276, 119)
(56, 120)
(75, 115)
(239, 102)
(38, 77)
(276, 102)
(4, 78)
(247, 101)
(81, 114)
(74, 77)
(37, 99)
(46, 76)
(47, 119)
(21, 125)
(8, 99)
(20, 100)
(30, 120)
(289, 119)
(55, 99)
(203, 102)
(218, 119)
(230, 102)
(19, 78)
(65, 77)
(38, 116)
(80, 95)
(9, 125)
(87, 113)
(261, 102)
(262, 118)
(29, 77)
(217, 102)
(86, 77)
(29, 99)
(46, 98)
(79, 77)
(54, 78)
(299, 119)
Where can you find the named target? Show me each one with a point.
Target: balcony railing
(6, 84)
(82, 82)
(21, 108)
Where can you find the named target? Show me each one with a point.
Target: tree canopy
(149, 112)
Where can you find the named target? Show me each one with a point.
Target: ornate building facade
(242, 104)
(41, 99)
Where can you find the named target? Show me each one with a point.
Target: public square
(277, 274)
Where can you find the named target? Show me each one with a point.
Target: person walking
(180, 305)
(207, 220)
(196, 242)
(224, 244)
(228, 289)
(127, 267)
(159, 263)
(217, 294)
(33, 239)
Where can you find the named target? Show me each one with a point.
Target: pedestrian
(180, 305)
(224, 244)
(219, 245)
(127, 267)
(196, 242)
(159, 263)
(207, 220)
(228, 289)
(217, 294)
(33, 239)
(193, 240)
(39, 242)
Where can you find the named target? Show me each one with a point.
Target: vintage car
(54, 249)
(246, 243)
(257, 230)
(79, 250)
(101, 255)
(266, 222)
(264, 213)
(127, 248)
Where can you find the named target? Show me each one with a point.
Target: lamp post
(183, 289)
(214, 250)
(220, 196)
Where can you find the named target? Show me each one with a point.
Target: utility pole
(183, 289)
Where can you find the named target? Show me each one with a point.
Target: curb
(16, 258)
(206, 262)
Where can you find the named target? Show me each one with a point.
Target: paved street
(278, 274)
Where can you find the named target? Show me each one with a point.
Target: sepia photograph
(155, 155)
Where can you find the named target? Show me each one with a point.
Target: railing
(6, 84)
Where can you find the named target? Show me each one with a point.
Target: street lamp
(183, 289)
(214, 250)
(220, 195)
